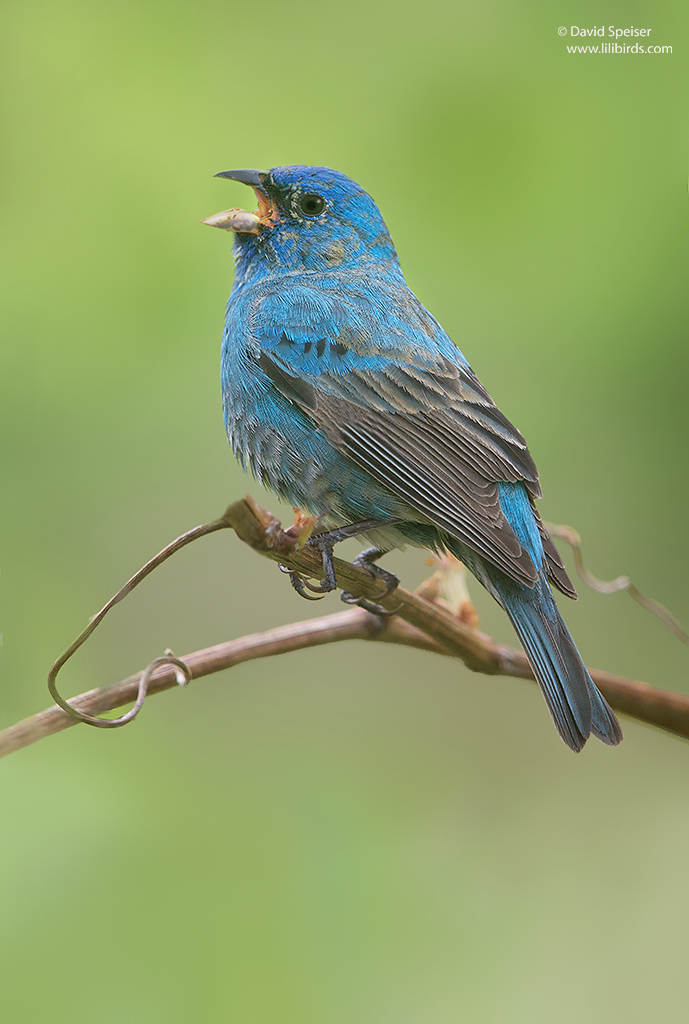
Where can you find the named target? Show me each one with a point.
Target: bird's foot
(300, 584)
(325, 543)
(369, 606)
(366, 560)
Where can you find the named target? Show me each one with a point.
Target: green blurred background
(349, 834)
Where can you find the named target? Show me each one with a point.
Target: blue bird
(343, 395)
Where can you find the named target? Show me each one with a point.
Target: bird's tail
(575, 702)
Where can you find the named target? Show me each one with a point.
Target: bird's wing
(392, 397)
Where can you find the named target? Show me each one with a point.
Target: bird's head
(308, 218)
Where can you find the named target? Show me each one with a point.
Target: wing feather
(420, 422)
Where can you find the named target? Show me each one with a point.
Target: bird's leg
(366, 560)
(325, 542)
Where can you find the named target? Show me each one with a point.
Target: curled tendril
(571, 537)
(183, 673)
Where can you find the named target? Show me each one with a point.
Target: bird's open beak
(241, 220)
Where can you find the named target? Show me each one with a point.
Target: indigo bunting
(343, 395)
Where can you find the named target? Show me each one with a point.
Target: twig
(418, 623)
(353, 624)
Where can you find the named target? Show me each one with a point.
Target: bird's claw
(369, 606)
(301, 586)
(367, 559)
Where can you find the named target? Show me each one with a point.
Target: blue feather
(573, 699)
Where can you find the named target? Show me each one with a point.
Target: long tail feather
(604, 724)
(576, 704)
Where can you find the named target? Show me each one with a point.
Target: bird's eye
(311, 204)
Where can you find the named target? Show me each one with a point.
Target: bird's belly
(285, 451)
(291, 467)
